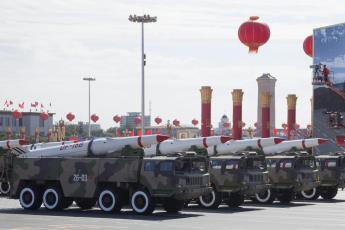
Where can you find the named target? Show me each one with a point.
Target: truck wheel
(210, 200)
(266, 197)
(109, 200)
(30, 198)
(286, 196)
(85, 203)
(173, 205)
(329, 193)
(235, 199)
(311, 194)
(53, 199)
(5, 188)
(142, 202)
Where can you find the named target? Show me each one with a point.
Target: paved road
(300, 215)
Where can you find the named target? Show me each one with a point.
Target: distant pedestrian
(325, 73)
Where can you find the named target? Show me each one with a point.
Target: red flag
(139, 132)
(118, 133)
(340, 141)
(21, 105)
(148, 132)
(158, 131)
(131, 133)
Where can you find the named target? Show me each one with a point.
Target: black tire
(142, 202)
(329, 193)
(286, 196)
(85, 203)
(265, 197)
(5, 188)
(30, 198)
(210, 200)
(311, 194)
(109, 200)
(235, 199)
(53, 199)
(172, 205)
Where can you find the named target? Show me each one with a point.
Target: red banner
(340, 141)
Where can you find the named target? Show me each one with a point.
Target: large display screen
(329, 87)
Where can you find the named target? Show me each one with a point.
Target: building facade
(129, 121)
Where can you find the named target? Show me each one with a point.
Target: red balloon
(117, 118)
(176, 122)
(94, 118)
(158, 120)
(137, 120)
(70, 116)
(44, 116)
(308, 45)
(253, 34)
(16, 114)
(195, 122)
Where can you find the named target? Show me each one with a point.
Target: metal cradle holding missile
(300, 144)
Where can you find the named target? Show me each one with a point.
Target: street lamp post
(142, 19)
(89, 79)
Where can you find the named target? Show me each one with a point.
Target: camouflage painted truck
(236, 173)
(111, 172)
(331, 175)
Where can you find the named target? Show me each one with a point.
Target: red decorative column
(237, 96)
(265, 114)
(206, 96)
(291, 116)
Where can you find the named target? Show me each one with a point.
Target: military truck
(234, 177)
(289, 173)
(331, 174)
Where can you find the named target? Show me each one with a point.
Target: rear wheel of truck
(53, 199)
(235, 199)
(286, 196)
(210, 200)
(329, 193)
(109, 200)
(173, 205)
(30, 198)
(311, 194)
(5, 188)
(266, 197)
(85, 203)
(142, 202)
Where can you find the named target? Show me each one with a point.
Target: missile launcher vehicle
(110, 173)
(331, 175)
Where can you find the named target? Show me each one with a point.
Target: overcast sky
(47, 47)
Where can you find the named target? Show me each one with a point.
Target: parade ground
(299, 215)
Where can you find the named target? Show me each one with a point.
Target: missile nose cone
(321, 141)
(23, 142)
(277, 140)
(161, 138)
(224, 139)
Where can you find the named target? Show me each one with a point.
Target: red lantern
(137, 120)
(176, 122)
(243, 124)
(284, 126)
(16, 114)
(70, 116)
(158, 120)
(309, 126)
(94, 118)
(253, 34)
(117, 118)
(44, 116)
(308, 45)
(195, 122)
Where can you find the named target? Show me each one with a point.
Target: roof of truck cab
(221, 157)
(327, 157)
(280, 157)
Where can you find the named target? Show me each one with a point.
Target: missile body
(293, 144)
(234, 146)
(181, 145)
(12, 143)
(100, 146)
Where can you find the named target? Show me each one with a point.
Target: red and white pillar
(291, 116)
(237, 95)
(265, 114)
(206, 96)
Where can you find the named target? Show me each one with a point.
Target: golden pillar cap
(265, 99)
(237, 96)
(291, 101)
(206, 94)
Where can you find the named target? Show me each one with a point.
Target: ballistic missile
(234, 146)
(12, 143)
(181, 145)
(300, 144)
(25, 148)
(96, 147)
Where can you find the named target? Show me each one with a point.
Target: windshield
(286, 163)
(191, 165)
(232, 164)
(256, 163)
(306, 163)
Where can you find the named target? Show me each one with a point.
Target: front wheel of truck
(235, 199)
(172, 205)
(311, 194)
(142, 202)
(266, 197)
(30, 198)
(210, 200)
(329, 193)
(5, 188)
